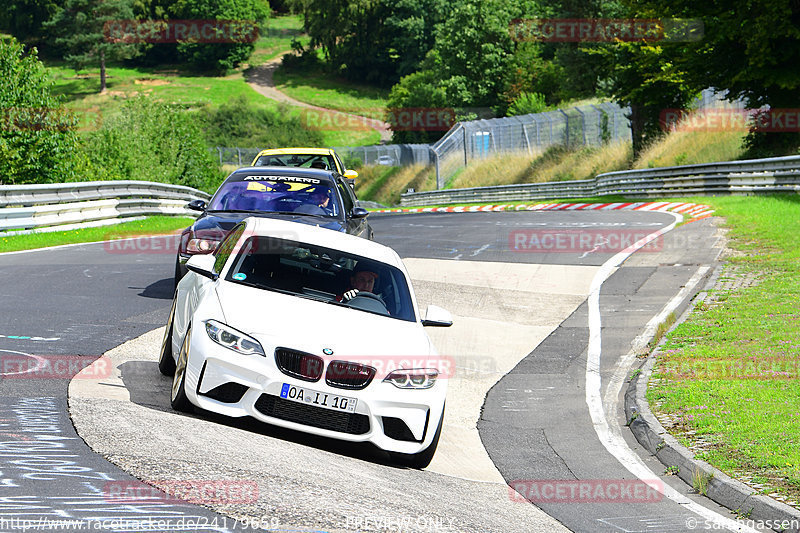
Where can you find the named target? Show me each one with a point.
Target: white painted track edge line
(614, 443)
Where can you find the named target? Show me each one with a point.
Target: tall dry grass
(692, 147)
(555, 164)
(384, 185)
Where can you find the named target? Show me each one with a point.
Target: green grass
(80, 89)
(731, 372)
(276, 38)
(320, 89)
(157, 225)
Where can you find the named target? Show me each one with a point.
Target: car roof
(328, 176)
(289, 151)
(311, 234)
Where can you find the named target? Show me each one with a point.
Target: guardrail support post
(438, 176)
(464, 138)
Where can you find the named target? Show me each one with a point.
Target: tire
(178, 398)
(177, 272)
(421, 459)
(166, 362)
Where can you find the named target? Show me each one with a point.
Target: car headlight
(201, 246)
(234, 340)
(414, 378)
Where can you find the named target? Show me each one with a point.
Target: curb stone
(722, 489)
(694, 211)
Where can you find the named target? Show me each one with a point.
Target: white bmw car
(270, 327)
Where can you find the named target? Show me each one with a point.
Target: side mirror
(203, 265)
(436, 316)
(196, 205)
(359, 212)
(350, 174)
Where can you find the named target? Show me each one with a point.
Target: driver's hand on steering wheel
(349, 295)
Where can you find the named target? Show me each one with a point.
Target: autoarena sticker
(296, 179)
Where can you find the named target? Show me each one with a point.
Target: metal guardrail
(62, 206)
(756, 176)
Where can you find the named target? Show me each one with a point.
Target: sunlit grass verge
(383, 184)
(729, 377)
(692, 147)
(316, 87)
(557, 163)
(157, 225)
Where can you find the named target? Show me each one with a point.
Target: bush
(219, 56)
(527, 103)
(239, 123)
(153, 141)
(38, 143)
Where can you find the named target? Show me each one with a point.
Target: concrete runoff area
(309, 483)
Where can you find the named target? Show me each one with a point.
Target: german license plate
(333, 402)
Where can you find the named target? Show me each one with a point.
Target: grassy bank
(321, 89)
(384, 184)
(727, 381)
(158, 225)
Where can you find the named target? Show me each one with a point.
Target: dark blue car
(309, 196)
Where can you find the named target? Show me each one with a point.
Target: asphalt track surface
(75, 303)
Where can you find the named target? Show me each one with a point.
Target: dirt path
(260, 79)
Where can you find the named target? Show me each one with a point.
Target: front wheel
(166, 363)
(420, 459)
(178, 398)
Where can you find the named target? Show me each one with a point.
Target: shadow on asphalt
(163, 289)
(148, 388)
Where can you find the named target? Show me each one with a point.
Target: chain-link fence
(382, 154)
(388, 154)
(477, 139)
(588, 125)
(235, 156)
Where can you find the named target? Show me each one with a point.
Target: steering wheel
(366, 294)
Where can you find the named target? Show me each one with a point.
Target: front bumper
(225, 382)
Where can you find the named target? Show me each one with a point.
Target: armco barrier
(756, 176)
(68, 205)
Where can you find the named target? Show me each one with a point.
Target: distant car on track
(324, 158)
(265, 327)
(288, 193)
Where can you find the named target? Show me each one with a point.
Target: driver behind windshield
(317, 204)
(363, 279)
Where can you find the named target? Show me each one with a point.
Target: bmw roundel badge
(327, 351)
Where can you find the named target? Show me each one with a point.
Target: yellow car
(322, 158)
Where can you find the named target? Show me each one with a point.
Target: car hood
(214, 222)
(277, 319)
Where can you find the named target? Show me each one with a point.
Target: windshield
(322, 274)
(324, 162)
(283, 194)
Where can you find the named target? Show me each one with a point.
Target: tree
(218, 56)
(78, 28)
(37, 138)
(377, 41)
(750, 49)
(646, 78)
(24, 18)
